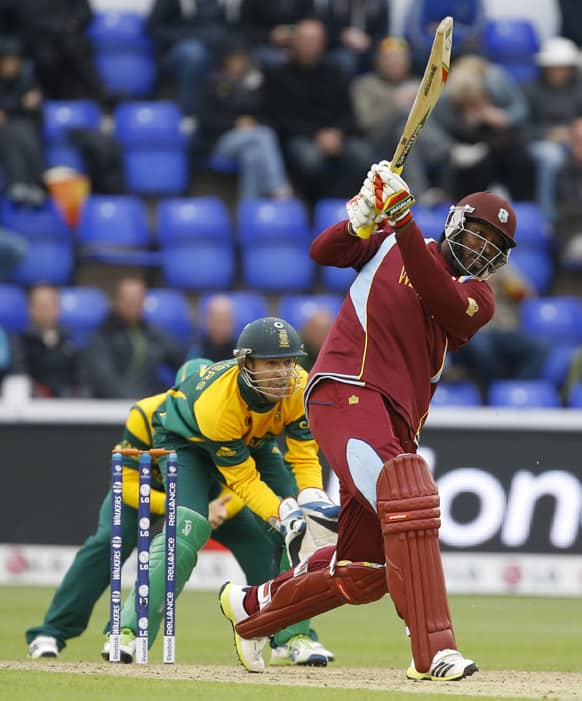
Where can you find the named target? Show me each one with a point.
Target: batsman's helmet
(268, 337)
(190, 367)
(490, 209)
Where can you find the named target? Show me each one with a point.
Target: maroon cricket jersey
(403, 312)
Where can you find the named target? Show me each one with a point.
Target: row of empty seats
(126, 61)
(198, 246)
(517, 394)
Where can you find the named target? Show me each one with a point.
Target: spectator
(313, 334)
(424, 16)
(231, 127)
(307, 102)
(554, 99)
(268, 26)
(501, 351)
(21, 154)
(568, 227)
(381, 100)
(125, 356)
(54, 35)
(219, 337)
(484, 111)
(355, 28)
(46, 351)
(189, 37)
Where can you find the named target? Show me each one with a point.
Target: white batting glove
(292, 526)
(361, 209)
(393, 193)
(321, 515)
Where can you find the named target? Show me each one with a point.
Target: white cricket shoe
(310, 654)
(305, 651)
(249, 651)
(43, 646)
(126, 646)
(446, 666)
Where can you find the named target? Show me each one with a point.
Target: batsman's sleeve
(460, 305)
(130, 493)
(336, 246)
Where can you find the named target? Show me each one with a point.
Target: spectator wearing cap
(555, 100)
(21, 154)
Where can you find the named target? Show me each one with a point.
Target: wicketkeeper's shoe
(305, 651)
(249, 651)
(446, 666)
(43, 646)
(126, 647)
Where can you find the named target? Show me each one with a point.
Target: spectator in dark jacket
(355, 28)
(54, 35)
(45, 351)
(189, 37)
(126, 355)
(21, 153)
(268, 26)
(307, 101)
(231, 128)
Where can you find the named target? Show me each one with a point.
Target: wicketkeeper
(222, 427)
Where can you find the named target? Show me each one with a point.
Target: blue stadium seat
(154, 148)
(13, 308)
(456, 394)
(575, 396)
(557, 363)
(535, 266)
(555, 319)
(533, 227)
(113, 220)
(61, 115)
(296, 309)
(430, 220)
(277, 267)
(35, 223)
(523, 394)
(264, 220)
(169, 310)
(200, 265)
(337, 279)
(46, 261)
(58, 117)
(247, 306)
(82, 310)
(187, 219)
(328, 211)
(124, 54)
(512, 43)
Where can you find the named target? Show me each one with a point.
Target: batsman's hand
(321, 516)
(291, 525)
(383, 196)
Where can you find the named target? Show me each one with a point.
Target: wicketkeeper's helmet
(269, 337)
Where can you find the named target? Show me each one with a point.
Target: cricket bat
(430, 88)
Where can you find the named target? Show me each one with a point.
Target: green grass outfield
(526, 648)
